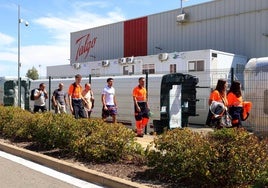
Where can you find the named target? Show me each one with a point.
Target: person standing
(140, 106)
(40, 96)
(87, 93)
(218, 95)
(238, 109)
(109, 101)
(59, 100)
(75, 98)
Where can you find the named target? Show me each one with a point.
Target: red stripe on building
(135, 37)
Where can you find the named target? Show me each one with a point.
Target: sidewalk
(147, 139)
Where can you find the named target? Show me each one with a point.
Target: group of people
(227, 103)
(81, 101)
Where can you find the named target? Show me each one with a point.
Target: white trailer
(207, 65)
(256, 91)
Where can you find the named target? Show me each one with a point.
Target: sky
(46, 40)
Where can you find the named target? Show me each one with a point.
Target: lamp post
(19, 63)
(181, 6)
(39, 72)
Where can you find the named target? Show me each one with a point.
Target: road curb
(80, 172)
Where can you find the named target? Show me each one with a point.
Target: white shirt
(109, 93)
(88, 96)
(41, 101)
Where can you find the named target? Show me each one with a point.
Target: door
(175, 107)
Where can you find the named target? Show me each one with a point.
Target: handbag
(226, 120)
(221, 116)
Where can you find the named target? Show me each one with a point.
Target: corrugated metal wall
(135, 37)
(235, 26)
(109, 43)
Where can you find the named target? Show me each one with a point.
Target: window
(128, 69)
(240, 68)
(172, 68)
(148, 68)
(196, 65)
(95, 72)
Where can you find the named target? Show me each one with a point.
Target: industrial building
(234, 26)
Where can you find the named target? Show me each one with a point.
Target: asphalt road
(16, 172)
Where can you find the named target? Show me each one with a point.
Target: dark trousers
(144, 113)
(236, 114)
(211, 121)
(78, 108)
(37, 108)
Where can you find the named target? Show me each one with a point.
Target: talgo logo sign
(84, 43)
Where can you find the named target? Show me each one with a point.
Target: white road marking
(48, 171)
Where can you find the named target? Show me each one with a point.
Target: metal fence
(254, 88)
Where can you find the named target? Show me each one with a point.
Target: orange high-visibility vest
(140, 94)
(246, 108)
(234, 101)
(216, 96)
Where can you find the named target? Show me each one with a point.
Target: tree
(32, 73)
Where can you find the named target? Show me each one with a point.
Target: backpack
(32, 94)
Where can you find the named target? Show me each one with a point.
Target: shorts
(37, 108)
(112, 111)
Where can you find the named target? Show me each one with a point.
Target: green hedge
(90, 139)
(224, 158)
(16, 124)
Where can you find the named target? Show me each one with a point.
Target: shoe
(140, 135)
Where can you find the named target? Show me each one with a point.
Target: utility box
(177, 101)
(9, 92)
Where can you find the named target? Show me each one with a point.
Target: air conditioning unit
(105, 63)
(122, 60)
(181, 18)
(130, 60)
(163, 57)
(77, 65)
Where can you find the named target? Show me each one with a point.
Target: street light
(19, 63)
(181, 6)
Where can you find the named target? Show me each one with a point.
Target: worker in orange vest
(140, 106)
(217, 95)
(238, 109)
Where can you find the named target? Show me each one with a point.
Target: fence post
(89, 78)
(232, 75)
(49, 93)
(146, 82)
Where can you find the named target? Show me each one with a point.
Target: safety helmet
(217, 108)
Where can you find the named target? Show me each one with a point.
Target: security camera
(26, 24)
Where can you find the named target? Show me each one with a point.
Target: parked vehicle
(256, 91)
